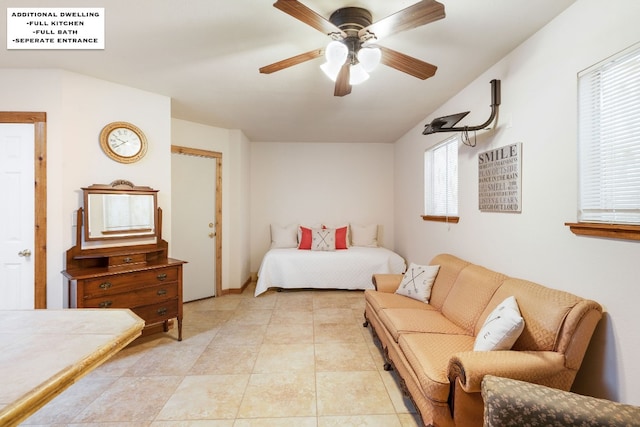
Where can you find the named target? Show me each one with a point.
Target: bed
(352, 268)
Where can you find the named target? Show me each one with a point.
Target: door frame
(39, 121)
(218, 224)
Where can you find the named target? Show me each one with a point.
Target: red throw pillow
(305, 238)
(341, 238)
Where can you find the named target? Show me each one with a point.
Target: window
(609, 147)
(441, 181)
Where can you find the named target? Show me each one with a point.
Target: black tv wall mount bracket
(447, 123)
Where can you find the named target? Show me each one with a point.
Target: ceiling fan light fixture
(336, 52)
(357, 75)
(352, 30)
(369, 57)
(331, 69)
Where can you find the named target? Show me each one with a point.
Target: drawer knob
(105, 304)
(162, 292)
(162, 311)
(162, 276)
(128, 259)
(105, 285)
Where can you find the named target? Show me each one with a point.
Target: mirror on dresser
(120, 259)
(119, 210)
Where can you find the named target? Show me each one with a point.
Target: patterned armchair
(509, 402)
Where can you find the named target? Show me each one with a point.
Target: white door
(193, 190)
(17, 178)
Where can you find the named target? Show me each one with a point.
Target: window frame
(597, 75)
(442, 216)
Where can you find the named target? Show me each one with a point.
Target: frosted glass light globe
(336, 52)
(357, 74)
(331, 69)
(369, 57)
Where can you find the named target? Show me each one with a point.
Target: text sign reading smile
(500, 179)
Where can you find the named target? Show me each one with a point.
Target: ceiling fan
(355, 39)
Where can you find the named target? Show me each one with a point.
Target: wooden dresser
(139, 277)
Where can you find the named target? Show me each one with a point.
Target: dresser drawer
(138, 297)
(108, 285)
(158, 312)
(127, 259)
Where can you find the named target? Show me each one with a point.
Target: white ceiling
(205, 55)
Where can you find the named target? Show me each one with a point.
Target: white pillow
(502, 327)
(323, 239)
(284, 237)
(364, 235)
(418, 281)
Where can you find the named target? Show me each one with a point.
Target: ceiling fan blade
(343, 87)
(421, 13)
(308, 16)
(290, 62)
(407, 64)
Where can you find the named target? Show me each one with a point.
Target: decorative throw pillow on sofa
(323, 239)
(284, 237)
(502, 327)
(418, 281)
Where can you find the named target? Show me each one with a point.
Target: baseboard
(237, 291)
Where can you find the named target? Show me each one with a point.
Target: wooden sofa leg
(388, 366)
(366, 321)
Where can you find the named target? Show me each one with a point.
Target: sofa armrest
(470, 367)
(509, 402)
(386, 282)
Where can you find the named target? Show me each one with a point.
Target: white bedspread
(342, 269)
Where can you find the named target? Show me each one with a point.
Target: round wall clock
(123, 142)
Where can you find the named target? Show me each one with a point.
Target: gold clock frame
(104, 142)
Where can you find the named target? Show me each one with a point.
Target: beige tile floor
(294, 358)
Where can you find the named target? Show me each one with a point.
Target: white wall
(241, 207)
(314, 183)
(538, 109)
(77, 108)
(234, 147)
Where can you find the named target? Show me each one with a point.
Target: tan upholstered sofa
(431, 345)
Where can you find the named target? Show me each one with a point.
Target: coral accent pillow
(342, 242)
(284, 237)
(342, 236)
(305, 238)
(502, 327)
(418, 281)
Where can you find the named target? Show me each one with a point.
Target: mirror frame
(119, 187)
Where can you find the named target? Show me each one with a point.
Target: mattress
(351, 268)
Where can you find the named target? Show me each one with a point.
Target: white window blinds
(441, 178)
(609, 140)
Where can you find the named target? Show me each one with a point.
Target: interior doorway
(196, 219)
(37, 193)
